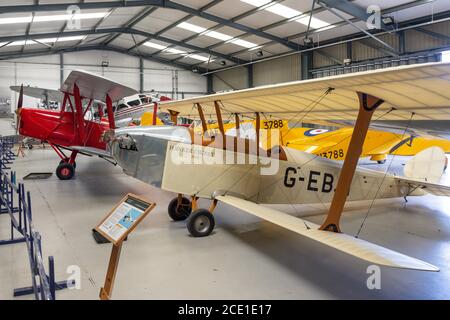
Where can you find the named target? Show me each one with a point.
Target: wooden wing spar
(422, 89)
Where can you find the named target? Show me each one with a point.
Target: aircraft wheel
(381, 161)
(201, 223)
(65, 171)
(182, 212)
(67, 161)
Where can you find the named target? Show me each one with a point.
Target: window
(134, 103)
(122, 106)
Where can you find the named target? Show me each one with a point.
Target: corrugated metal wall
(416, 41)
(232, 79)
(277, 70)
(369, 49)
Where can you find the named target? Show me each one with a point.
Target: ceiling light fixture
(288, 13)
(52, 18)
(216, 35)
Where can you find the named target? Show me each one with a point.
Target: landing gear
(67, 161)
(65, 171)
(201, 223)
(179, 208)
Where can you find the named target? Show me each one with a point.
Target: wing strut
(173, 116)
(367, 105)
(202, 117)
(79, 111)
(111, 120)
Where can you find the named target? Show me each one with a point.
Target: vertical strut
(111, 120)
(367, 105)
(79, 112)
(202, 117)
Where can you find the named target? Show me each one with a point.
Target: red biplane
(70, 128)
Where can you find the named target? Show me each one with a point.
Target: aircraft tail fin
(428, 165)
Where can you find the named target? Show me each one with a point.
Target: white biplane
(175, 159)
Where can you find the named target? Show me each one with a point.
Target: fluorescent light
(218, 35)
(154, 45)
(60, 17)
(191, 27)
(445, 56)
(199, 57)
(44, 40)
(175, 51)
(288, 13)
(215, 35)
(244, 43)
(16, 20)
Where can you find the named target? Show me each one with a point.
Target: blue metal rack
(15, 202)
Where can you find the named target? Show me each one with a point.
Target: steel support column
(61, 69)
(141, 75)
(250, 76)
(306, 65)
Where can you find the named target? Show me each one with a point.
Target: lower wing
(340, 241)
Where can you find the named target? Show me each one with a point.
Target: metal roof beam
(119, 30)
(229, 23)
(82, 5)
(156, 3)
(351, 9)
(40, 52)
(132, 22)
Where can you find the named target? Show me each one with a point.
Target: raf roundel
(315, 132)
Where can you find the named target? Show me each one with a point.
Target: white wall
(44, 72)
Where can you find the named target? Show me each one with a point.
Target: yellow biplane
(238, 172)
(331, 144)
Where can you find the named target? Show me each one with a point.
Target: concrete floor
(245, 258)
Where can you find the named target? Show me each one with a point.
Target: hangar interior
(189, 48)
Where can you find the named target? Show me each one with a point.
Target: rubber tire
(381, 161)
(66, 161)
(30, 146)
(64, 166)
(200, 214)
(175, 214)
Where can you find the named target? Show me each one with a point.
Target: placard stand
(115, 227)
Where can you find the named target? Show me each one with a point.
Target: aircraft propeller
(19, 108)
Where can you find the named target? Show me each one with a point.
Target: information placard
(125, 216)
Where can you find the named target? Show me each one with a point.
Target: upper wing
(96, 87)
(423, 89)
(40, 93)
(340, 241)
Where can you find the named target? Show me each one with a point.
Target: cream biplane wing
(419, 89)
(152, 154)
(340, 241)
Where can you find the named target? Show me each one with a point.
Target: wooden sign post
(115, 227)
